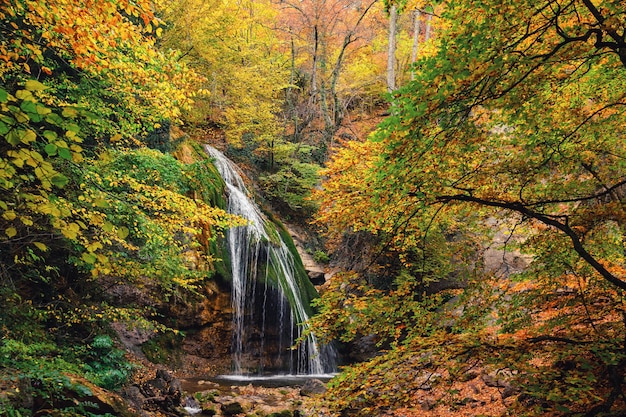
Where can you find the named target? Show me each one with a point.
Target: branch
(547, 220)
(605, 192)
(546, 338)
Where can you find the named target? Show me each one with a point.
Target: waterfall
(268, 312)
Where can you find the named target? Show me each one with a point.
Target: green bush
(39, 372)
(105, 364)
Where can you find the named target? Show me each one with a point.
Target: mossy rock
(163, 349)
(284, 413)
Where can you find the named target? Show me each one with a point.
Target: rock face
(207, 344)
(316, 272)
(500, 259)
(206, 323)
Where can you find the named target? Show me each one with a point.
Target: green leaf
(72, 127)
(50, 135)
(90, 258)
(65, 154)
(123, 232)
(14, 136)
(101, 203)
(54, 119)
(29, 107)
(34, 85)
(51, 149)
(59, 180)
(8, 120)
(20, 116)
(24, 95)
(4, 129)
(43, 110)
(107, 226)
(69, 112)
(3, 95)
(28, 137)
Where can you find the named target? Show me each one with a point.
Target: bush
(106, 365)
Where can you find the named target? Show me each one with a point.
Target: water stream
(269, 314)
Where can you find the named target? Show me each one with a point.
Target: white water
(256, 255)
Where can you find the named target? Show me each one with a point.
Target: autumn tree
(234, 46)
(519, 115)
(84, 201)
(324, 34)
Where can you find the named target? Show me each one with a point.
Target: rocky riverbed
(166, 395)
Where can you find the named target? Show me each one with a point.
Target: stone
(501, 380)
(164, 375)
(312, 387)
(424, 381)
(232, 409)
(133, 395)
(284, 413)
(494, 380)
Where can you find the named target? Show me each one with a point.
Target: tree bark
(417, 16)
(391, 51)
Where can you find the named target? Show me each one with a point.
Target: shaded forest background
(413, 138)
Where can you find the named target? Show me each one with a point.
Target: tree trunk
(417, 15)
(429, 17)
(314, 68)
(391, 51)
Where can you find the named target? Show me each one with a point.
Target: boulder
(232, 409)
(312, 387)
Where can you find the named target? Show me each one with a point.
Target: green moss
(163, 348)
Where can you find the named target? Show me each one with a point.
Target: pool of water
(221, 382)
(270, 381)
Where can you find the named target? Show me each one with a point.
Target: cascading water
(268, 311)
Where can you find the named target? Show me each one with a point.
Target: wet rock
(191, 406)
(364, 348)
(131, 337)
(284, 413)
(164, 375)
(312, 387)
(317, 276)
(232, 409)
(314, 269)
